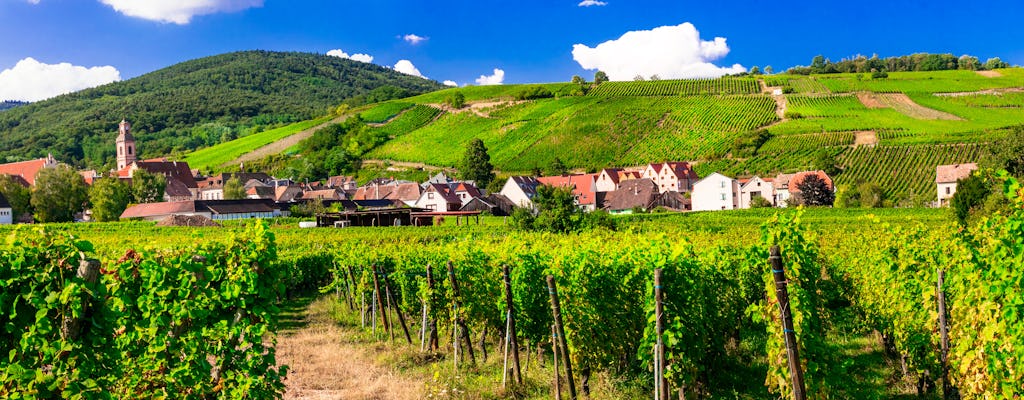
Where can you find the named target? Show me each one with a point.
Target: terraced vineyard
(903, 170)
(409, 119)
(678, 87)
(384, 111)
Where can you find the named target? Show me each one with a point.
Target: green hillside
(893, 131)
(197, 104)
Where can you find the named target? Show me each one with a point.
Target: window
(722, 184)
(129, 150)
(430, 195)
(947, 189)
(723, 196)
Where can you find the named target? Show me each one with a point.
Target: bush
(534, 92)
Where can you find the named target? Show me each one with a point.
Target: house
(344, 183)
(465, 191)
(212, 187)
(440, 177)
(632, 194)
(439, 198)
(583, 188)
(792, 186)
(754, 187)
(24, 172)
(609, 179)
(324, 194)
(715, 192)
(171, 170)
(213, 209)
(674, 201)
(6, 212)
(671, 176)
(287, 194)
(404, 191)
(946, 178)
(90, 176)
(495, 204)
(520, 190)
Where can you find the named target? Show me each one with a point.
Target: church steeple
(125, 145)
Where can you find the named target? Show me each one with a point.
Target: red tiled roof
(323, 194)
(156, 209)
(445, 191)
(799, 177)
(171, 169)
(953, 173)
(614, 174)
(26, 170)
(582, 186)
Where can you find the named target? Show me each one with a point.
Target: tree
(600, 77)
(814, 191)
(871, 195)
(578, 80)
(233, 189)
(769, 70)
(18, 196)
(970, 195)
(825, 161)
(60, 192)
(556, 168)
(760, 202)
(879, 74)
(639, 78)
(655, 77)
(846, 197)
(755, 70)
(147, 187)
(969, 63)
(556, 211)
(818, 64)
(1008, 153)
(109, 197)
(995, 63)
(476, 164)
(456, 100)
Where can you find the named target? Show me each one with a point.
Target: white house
(6, 212)
(946, 177)
(520, 190)
(440, 198)
(671, 176)
(756, 186)
(715, 192)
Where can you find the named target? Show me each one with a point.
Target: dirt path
(326, 362)
(283, 144)
(404, 165)
(780, 102)
(989, 74)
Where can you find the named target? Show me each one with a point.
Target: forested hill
(197, 103)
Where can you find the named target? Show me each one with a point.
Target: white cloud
(366, 58)
(31, 80)
(33, 1)
(451, 83)
(406, 67)
(496, 79)
(414, 39)
(588, 3)
(671, 52)
(179, 11)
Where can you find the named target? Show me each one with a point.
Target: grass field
(211, 158)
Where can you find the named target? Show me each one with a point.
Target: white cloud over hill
(497, 78)
(178, 11)
(31, 80)
(366, 58)
(406, 67)
(671, 52)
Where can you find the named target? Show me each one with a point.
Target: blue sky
(530, 41)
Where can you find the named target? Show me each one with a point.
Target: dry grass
(865, 138)
(325, 362)
(989, 74)
(900, 102)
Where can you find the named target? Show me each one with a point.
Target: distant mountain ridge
(9, 104)
(197, 103)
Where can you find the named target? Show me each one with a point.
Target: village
(668, 186)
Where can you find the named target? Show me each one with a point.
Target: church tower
(125, 145)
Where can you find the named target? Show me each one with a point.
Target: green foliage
(234, 189)
(1008, 153)
(534, 93)
(59, 194)
(456, 100)
(824, 160)
(238, 90)
(814, 191)
(760, 202)
(215, 157)
(19, 197)
(556, 168)
(748, 144)
(995, 63)
(578, 80)
(147, 187)
(870, 195)
(600, 77)
(879, 74)
(476, 164)
(109, 198)
(334, 149)
(970, 195)
(556, 211)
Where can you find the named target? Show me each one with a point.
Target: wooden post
(458, 318)
(398, 309)
(556, 311)
(70, 327)
(380, 300)
(433, 340)
(782, 295)
(659, 328)
(511, 310)
(348, 290)
(947, 389)
(508, 341)
(554, 353)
